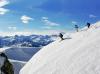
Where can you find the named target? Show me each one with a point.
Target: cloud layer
(2, 4)
(92, 16)
(47, 22)
(25, 19)
(74, 22)
(12, 28)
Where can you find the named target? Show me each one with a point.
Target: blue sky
(45, 16)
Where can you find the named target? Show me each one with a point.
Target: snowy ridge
(79, 54)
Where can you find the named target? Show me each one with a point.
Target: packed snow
(77, 54)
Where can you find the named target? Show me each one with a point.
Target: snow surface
(79, 54)
(17, 65)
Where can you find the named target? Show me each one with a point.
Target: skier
(76, 27)
(88, 25)
(61, 36)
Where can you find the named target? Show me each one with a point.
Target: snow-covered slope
(79, 54)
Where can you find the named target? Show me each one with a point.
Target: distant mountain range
(26, 41)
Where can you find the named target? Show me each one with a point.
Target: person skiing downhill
(61, 36)
(76, 27)
(88, 25)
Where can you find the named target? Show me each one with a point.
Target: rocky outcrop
(7, 67)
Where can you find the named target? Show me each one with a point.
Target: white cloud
(92, 16)
(47, 27)
(48, 22)
(38, 32)
(3, 3)
(3, 10)
(15, 33)
(30, 32)
(53, 32)
(74, 22)
(45, 18)
(12, 28)
(25, 19)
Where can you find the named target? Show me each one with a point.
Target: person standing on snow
(88, 25)
(61, 36)
(76, 27)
